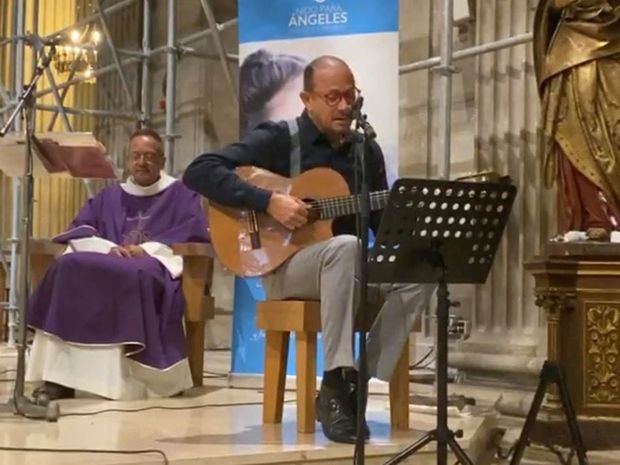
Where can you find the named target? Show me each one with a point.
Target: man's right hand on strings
(288, 210)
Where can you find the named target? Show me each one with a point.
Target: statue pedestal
(578, 287)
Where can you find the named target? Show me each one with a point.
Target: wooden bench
(281, 317)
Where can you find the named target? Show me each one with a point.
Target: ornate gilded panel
(602, 365)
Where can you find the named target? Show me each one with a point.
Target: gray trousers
(326, 271)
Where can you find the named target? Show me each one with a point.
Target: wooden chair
(278, 318)
(196, 282)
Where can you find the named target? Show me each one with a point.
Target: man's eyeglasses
(334, 97)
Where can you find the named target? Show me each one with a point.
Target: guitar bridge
(253, 230)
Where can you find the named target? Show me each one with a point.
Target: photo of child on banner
(269, 88)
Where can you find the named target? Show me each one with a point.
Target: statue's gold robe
(577, 57)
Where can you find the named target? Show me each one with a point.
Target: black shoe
(352, 386)
(49, 391)
(335, 415)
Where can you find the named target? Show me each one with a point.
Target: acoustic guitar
(253, 244)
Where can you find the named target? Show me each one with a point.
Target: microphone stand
(21, 404)
(362, 136)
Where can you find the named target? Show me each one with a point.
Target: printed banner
(277, 38)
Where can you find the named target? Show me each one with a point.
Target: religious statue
(577, 57)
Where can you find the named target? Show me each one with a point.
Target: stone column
(499, 125)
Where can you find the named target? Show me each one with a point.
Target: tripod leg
(458, 451)
(413, 448)
(531, 416)
(571, 418)
(441, 370)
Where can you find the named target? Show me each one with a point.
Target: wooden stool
(278, 318)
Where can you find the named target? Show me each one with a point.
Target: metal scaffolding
(141, 111)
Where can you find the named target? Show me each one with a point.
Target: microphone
(361, 119)
(356, 109)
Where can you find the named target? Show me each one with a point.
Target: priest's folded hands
(128, 251)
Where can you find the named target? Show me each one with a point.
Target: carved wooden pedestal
(578, 286)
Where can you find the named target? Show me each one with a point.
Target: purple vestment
(93, 298)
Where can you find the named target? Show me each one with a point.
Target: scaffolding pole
(145, 89)
(183, 50)
(4, 95)
(63, 95)
(171, 82)
(469, 52)
(18, 29)
(4, 264)
(219, 47)
(117, 62)
(202, 34)
(446, 71)
(91, 112)
(35, 56)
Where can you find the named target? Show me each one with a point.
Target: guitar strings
(348, 200)
(338, 208)
(344, 202)
(339, 205)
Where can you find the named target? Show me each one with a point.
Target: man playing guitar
(323, 270)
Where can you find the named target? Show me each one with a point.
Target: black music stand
(440, 232)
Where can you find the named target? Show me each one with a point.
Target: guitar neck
(348, 205)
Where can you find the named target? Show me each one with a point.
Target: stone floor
(221, 425)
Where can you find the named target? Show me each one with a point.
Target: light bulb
(95, 36)
(75, 36)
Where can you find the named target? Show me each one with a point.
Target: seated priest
(108, 315)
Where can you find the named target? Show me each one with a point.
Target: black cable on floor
(419, 362)
(89, 451)
(163, 407)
